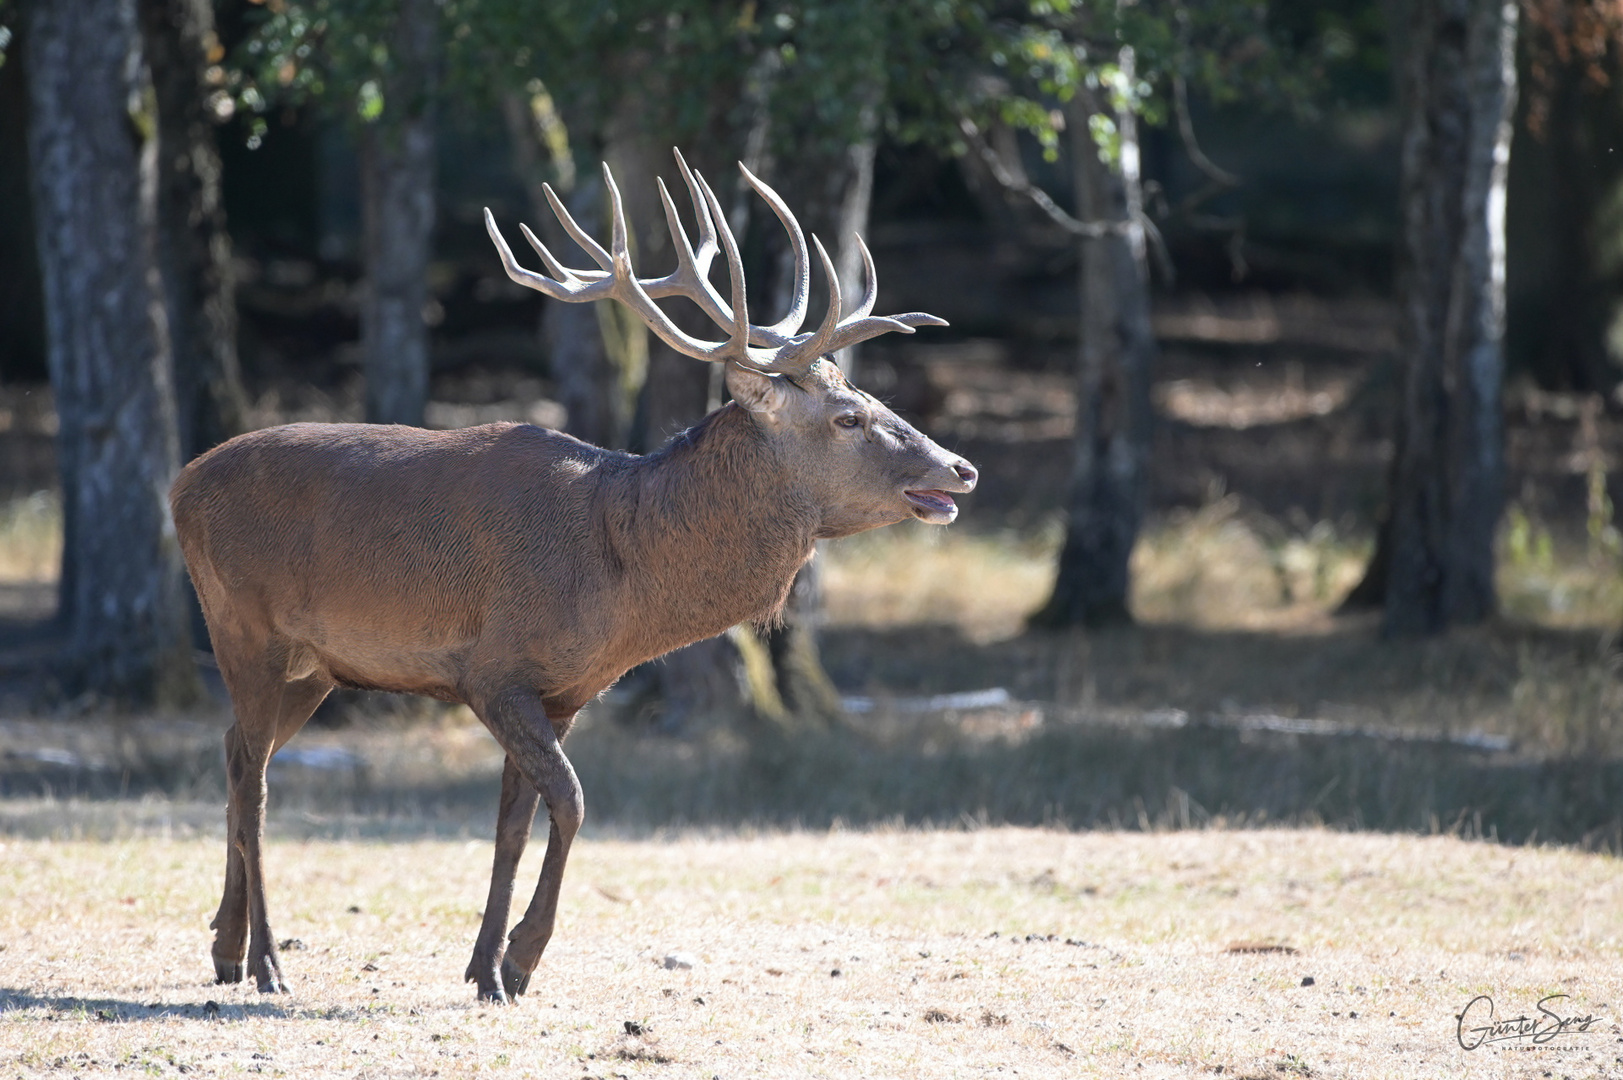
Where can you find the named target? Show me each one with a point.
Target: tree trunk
(1115, 360)
(590, 385)
(831, 196)
(701, 686)
(397, 197)
(93, 140)
(194, 250)
(1572, 355)
(733, 677)
(1459, 83)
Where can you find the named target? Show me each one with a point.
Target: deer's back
(381, 555)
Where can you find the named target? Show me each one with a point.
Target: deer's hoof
(268, 974)
(490, 986)
(227, 971)
(514, 981)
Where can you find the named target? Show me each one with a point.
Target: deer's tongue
(934, 504)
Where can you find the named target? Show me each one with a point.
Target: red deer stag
(521, 571)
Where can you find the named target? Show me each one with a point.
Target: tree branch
(1186, 131)
(1073, 225)
(1037, 195)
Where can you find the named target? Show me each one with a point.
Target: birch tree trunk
(1459, 86)
(1115, 360)
(93, 141)
(194, 250)
(397, 211)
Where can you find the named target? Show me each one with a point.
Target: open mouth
(933, 506)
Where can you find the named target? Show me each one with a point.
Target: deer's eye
(848, 420)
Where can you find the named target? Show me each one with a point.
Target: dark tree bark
(1115, 361)
(705, 685)
(590, 385)
(93, 142)
(1573, 353)
(194, 250)
(831, 194)
(774, 674)
(699, 686)
(1459, 85)
(397, 199)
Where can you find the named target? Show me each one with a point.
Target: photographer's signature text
(1478, 1026)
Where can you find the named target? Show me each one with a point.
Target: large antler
(779, 348)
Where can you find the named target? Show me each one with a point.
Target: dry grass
(1560, 585)
(1214, 568)
(914, 574)
(1217, 568)
(31, 539)
(1144, 958)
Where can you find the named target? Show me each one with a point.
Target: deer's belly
(389, 666)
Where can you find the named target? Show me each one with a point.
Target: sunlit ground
(997, 952)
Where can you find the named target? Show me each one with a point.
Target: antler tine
(862, 329)
(631, 292)
(789, 325)
(619, 245)
(556, 268)
(775, 350)
(576, 233)
(572, 289)
(801, 354)
(701, 213)
(735, 271)
(617, 282)
(870, 289)
(856, 327)
(689, 279)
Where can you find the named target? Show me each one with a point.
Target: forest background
(1286, 337)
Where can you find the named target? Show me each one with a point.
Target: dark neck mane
(712, 529)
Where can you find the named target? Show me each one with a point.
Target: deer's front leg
(513, 820)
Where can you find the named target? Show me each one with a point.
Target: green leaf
(369, 101)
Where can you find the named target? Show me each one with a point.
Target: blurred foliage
(1043, 53)
(8, 16)
(925, 65)
(1546, 583)
(1583, 36)
(31, 538)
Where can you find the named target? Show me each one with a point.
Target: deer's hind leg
(513, 823)
(534, 748)
(269, 711)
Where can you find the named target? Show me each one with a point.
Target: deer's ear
(761, 394)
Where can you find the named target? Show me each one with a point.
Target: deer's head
(862, 465)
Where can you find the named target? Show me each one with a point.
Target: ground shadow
(1151, 727)
(118, 1010)
(1084, 775)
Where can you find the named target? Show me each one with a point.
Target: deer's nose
(966, 472)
